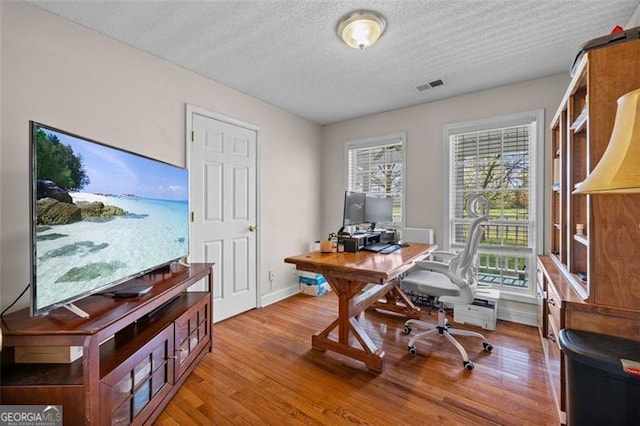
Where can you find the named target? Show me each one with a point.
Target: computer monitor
(354, 207)
(378, 209)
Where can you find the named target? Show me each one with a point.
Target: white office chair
(450, 281)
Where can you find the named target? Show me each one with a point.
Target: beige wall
(424, 125)
(64, 75)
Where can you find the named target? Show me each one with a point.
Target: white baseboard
(525, 318)
(279, 295)
(521, 313)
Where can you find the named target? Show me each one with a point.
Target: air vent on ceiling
(429, 85)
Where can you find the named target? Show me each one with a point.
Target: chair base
(444, 328)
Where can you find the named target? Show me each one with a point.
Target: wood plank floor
(263, 371)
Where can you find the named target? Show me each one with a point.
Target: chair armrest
(433, 265)
(441, 255)
(438, 267)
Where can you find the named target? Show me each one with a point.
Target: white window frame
(536, 162)
(400, 137)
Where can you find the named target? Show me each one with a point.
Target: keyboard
(377, 247)
(390, 249)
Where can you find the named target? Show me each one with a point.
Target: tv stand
(73, 308)
(136, 352)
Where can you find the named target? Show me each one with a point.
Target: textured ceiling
(287, 52)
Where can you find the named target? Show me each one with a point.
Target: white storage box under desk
(483, 312)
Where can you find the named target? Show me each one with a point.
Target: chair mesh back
(461, 266)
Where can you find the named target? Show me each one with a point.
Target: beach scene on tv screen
(102, 215)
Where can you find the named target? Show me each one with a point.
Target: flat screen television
(354, 205)
(100, 216)
(377, 210)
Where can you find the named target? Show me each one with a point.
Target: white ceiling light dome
(361, 29)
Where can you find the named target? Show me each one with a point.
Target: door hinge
(192, 217)
(193, 136)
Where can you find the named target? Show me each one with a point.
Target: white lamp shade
(618, 171)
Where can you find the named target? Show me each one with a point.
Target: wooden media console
(136, 353)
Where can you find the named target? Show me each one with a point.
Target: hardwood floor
(263, 371)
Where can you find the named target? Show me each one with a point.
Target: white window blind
(377, 169)
(496, 164)
(499, 163)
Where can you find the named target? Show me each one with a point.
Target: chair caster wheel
(413, 351)
(407, 329)
(468, 365)
(487, 347)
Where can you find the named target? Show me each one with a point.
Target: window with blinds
(498, 163)
(376, 167)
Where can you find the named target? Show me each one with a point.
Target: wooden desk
(348, 274)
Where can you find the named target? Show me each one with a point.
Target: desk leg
(347, 325)
(398, 302)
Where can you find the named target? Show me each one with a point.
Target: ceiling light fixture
(362, 28)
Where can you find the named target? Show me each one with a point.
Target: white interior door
(223, 203)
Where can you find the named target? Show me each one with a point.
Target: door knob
(252, 228)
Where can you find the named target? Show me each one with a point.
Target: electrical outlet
(293, 269)
(271, 275)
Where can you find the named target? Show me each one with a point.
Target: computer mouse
(403, 244)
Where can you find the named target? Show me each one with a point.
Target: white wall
(425, 168)
(64, 75)
(424, 125)
(634, 21)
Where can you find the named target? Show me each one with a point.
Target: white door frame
(190, 111)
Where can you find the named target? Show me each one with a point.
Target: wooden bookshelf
(590, 281)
